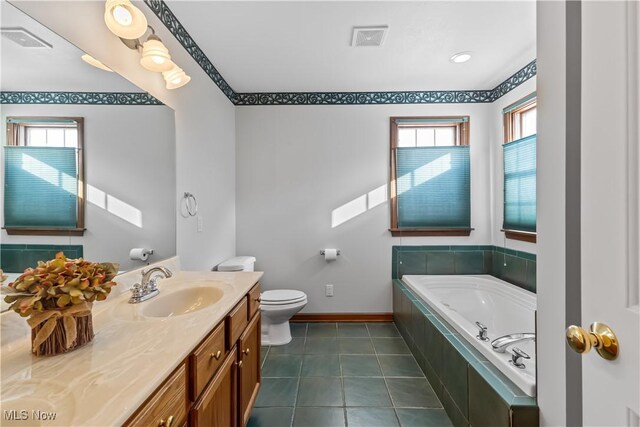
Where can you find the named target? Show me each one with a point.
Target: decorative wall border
(89, 98)
(169, 19)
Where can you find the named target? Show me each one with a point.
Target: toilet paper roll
(330, 254)
(141, 254)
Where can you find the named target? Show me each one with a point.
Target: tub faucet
(147, 287)
(500, 344)
(482, 332)
(516, 358)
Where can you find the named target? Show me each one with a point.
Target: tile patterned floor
(344, 374)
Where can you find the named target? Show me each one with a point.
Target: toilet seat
(282, 297)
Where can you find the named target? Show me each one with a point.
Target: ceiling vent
(369, 36)
(24, 38)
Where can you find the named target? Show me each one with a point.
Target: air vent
(24, 38)
(369, 36)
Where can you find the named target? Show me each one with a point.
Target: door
(249, 368)
(609, 211)
(217, 404)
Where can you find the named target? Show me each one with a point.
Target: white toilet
(276, 306)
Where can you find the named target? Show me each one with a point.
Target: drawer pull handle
(240, 364)
(258, 299)
(247, 351)
(167, 423)
(216, 355)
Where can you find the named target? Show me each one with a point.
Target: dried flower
(58, 284)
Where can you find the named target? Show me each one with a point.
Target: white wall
(204, 120)
(296, 164)
(129, 155)
(497, 166)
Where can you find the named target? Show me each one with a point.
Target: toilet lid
(282, 296)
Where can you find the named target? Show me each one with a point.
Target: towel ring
(191, 204)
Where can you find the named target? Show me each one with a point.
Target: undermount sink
(181, 302)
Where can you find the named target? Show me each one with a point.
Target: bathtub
(502, 307)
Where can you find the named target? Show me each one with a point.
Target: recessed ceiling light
(93, 61)
(460, 57)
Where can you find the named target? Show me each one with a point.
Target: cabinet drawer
(167, 406)
(206, 360)
(237, 320)
(254, 300)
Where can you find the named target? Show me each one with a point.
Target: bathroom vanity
(189, 356)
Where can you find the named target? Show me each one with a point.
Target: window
(430, 177)
(44, 176)
(519, 220)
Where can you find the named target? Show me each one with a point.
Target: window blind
(433, 187)
(520, 185)
(41, 187)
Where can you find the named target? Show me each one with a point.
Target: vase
(61, 332)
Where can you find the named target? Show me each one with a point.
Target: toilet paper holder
(322, 252)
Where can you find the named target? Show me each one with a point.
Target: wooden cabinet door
(217, 404)
(249, 368)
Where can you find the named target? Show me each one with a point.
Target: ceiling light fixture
(460, 57)
(155, 55)
(93, 61)
(176, 77)
(124, 19)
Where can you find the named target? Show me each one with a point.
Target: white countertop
(104, 382)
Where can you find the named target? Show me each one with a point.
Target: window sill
(45, 231)
(525, 236)
(403, 232)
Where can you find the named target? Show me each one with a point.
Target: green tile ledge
(415, 319)
(515, 267)
(15, 258)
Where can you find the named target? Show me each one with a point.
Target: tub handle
(482, 332)
(516, 357)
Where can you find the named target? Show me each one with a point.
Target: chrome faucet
(516, 358)
(147, 288)
(500, 344)
(482, 332)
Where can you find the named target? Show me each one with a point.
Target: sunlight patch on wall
(359, 205)
(114, 206)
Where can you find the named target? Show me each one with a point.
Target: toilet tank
(239, 263)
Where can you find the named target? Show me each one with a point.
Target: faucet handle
(482, 332)
(137, 290)
(516, 357)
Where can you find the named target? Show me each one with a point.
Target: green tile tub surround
(516, 267)
(472, 390)
(15, 258)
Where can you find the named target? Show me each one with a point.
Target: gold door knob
(601, 337)
(247, 351)
(216, 355)
(167, 423)
(240, 364)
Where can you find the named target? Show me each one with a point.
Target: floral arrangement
(60, 284)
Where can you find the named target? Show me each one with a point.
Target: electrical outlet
(200, 224)
(328, 290)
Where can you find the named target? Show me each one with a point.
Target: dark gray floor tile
(355, 346)
(399, 366)
(296, 346)
(277, 392)
(366, 392)
(320, 391)
(322, 330)
(412, 393)
(282, 365)
(352, 330)
(319, 417)
(372, 417)
(321, 346)
(271, 417)
(423, 418)
(298, 330)
(360, 366)
(320, 365)
(383, 330)
(263, 354)
(390, 346)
